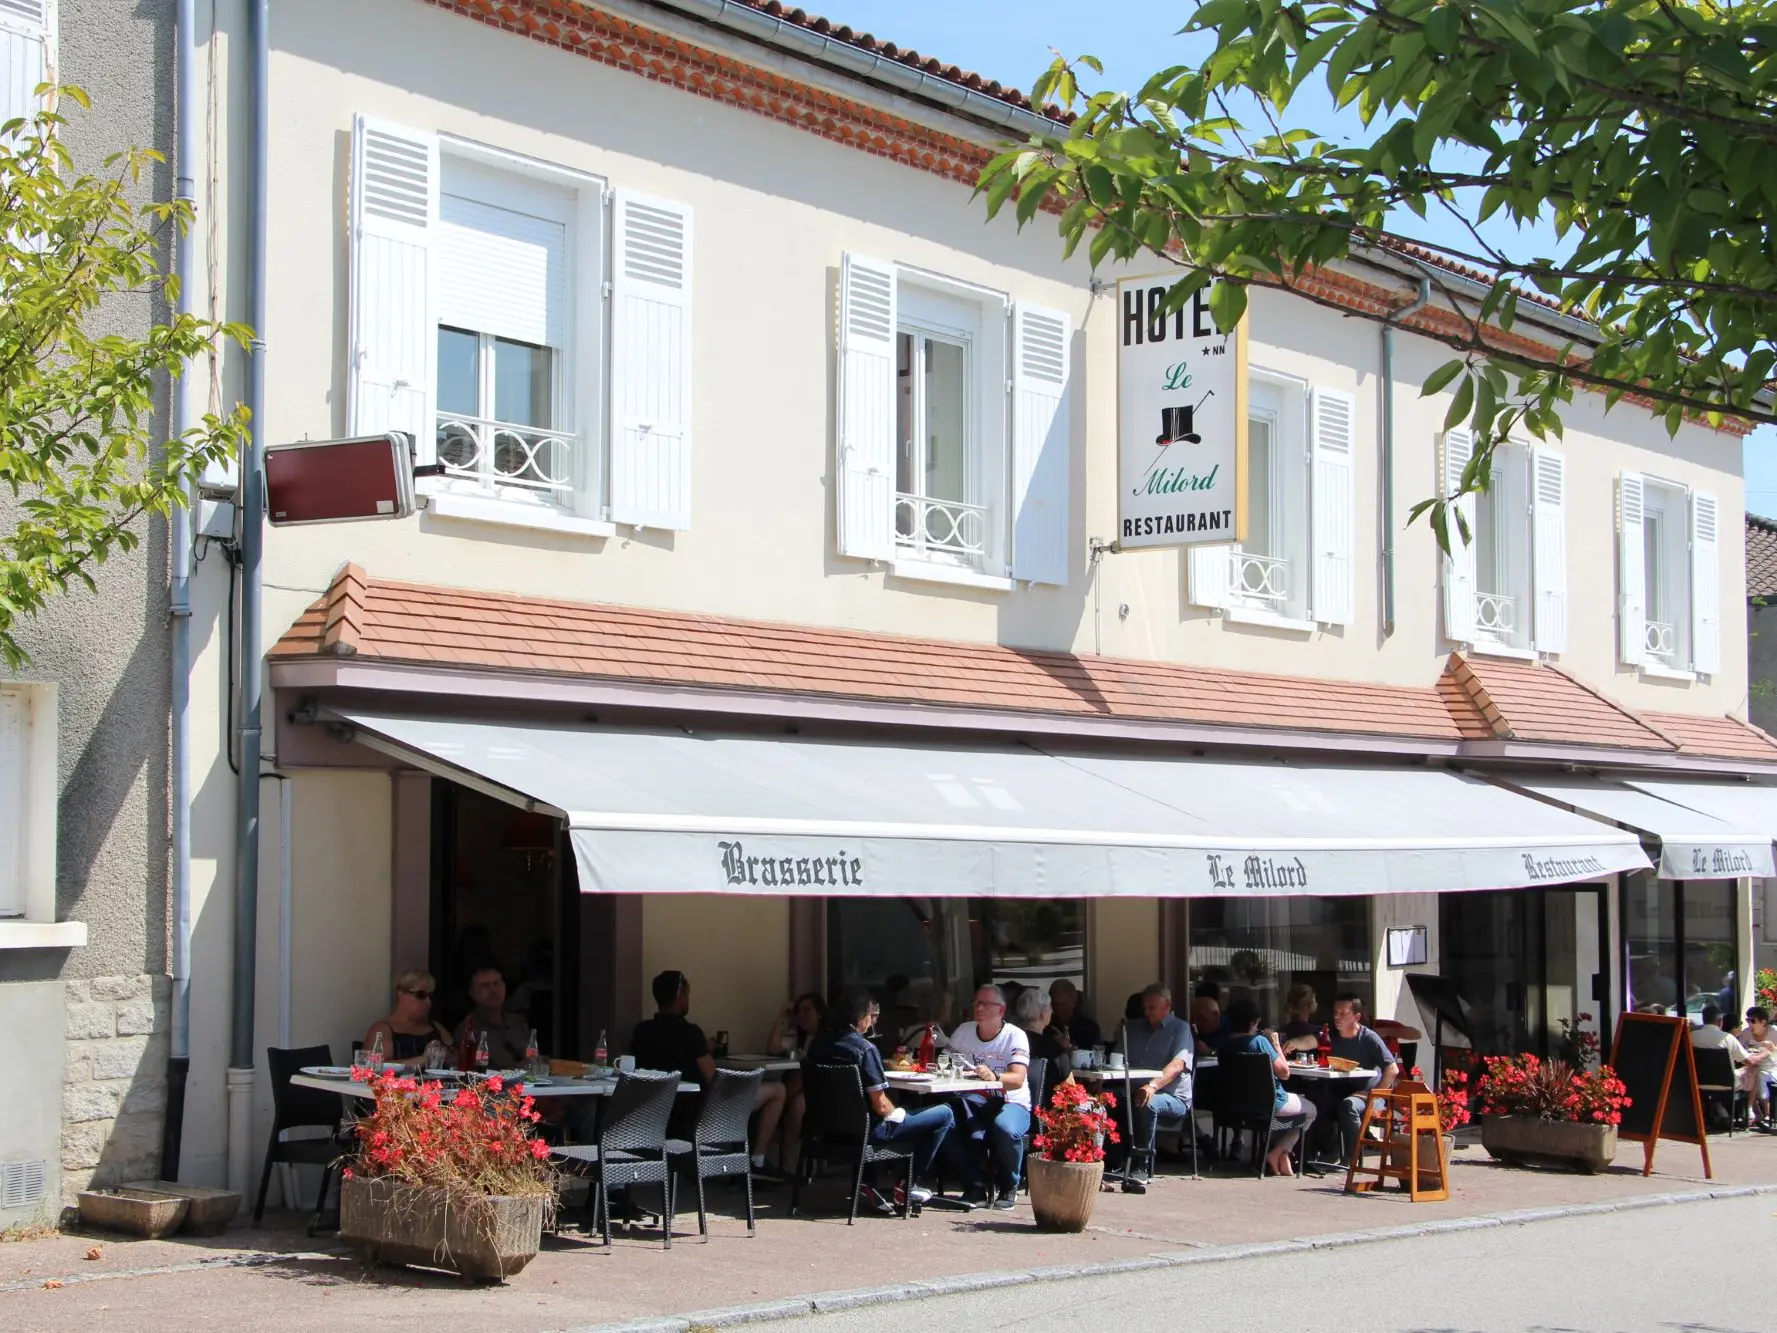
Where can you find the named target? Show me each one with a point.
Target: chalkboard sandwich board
(1652, 1056)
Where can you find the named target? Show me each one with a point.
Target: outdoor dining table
(769, 1064)
(939, 1085)
(1106, 1075)
(1325, 1088)
(553, 1086)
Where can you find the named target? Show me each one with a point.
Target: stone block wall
(114, 1083)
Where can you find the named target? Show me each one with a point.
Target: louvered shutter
(1459, 563)
(1210, 574)
(866, 429)
(1548, 539)
(394, 336)
(1041, 452)
(12, 803)
(27, 29)
(1631, 570)
(1332, 518)
(1705, 583)
(651, 363)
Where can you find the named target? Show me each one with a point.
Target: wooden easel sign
(1652, 1056)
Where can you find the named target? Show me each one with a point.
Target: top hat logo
(1177, 426)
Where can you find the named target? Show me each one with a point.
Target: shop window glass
(1709, 947)
(923, 957)
(1682, 942)
(1258, 948)
(1650, 925)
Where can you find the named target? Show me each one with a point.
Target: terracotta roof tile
(1495, 698)
(1718, 737)
(1761, 556)
(373, 618)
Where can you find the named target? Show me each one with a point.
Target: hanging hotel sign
(1181, 420)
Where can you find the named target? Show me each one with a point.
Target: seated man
(507, 1033)
(1160, 1041)
(669, 1040)
(1353, 1041)
(847, 1042)
(1206, 1017)
(1000, 1052)
(1712, 1036)
(1074, 1030)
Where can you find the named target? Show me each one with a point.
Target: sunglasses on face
(420, 994)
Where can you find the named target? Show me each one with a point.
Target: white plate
(329, 1071)
(912, 1076)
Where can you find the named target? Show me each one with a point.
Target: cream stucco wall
(1125, 956)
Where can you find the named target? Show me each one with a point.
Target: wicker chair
(632, 1146)
(302, 1108)
(1247, 1100)
(720, 1145)
(836, 1124)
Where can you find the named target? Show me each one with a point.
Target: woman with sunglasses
(409, 1031)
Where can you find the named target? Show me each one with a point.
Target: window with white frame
(28, 820)
(1505, 586)
(27, 55)
(1668, 556)
(1294, 564)
(14, 757)
(553, 388)
(953, 428)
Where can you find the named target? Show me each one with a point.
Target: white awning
(1694, 844)
(658, 812)
(1744, 805)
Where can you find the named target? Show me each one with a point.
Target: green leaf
(1442, 376)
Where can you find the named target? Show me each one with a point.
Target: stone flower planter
(488, 1238)
(1518, 1139)
(1062, 1193)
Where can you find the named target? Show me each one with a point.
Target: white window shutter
(1041, 452)
(651, 363)
(12, 803)
(27, 34)
(1631, 570)
(1548, 543)
(1211, 574)
(865, 433)
(1459, 563)
(394, 337)
(1705, 583)
(1332, 420)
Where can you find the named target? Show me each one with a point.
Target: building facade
(752, 428)
(84, 870)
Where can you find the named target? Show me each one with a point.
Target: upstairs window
(1505, 589)
(954, 428)
(1294, 565)
(1668, 567)
(554, 388)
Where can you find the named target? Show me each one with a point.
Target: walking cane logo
(1178, 425)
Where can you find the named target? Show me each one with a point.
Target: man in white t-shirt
(1712, 1036)
(998, 1052)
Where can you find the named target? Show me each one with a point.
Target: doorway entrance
(1525, 960)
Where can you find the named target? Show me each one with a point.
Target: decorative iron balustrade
(1661, 640)
(1496, 616)
(499, 455)
(950, 529)
(1261, 579)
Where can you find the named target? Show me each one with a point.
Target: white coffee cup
(626, 1063)
(1114, 1060)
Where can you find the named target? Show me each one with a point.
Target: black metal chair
(1247, 1100)
(836, 1124)
(1185, 1125)
(632, 1146)
(302, 1108)
(1716, 1081)
(721, 1145)
(1036, 1079)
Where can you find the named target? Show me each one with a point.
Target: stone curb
(829, 1301)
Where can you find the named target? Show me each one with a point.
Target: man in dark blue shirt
(846, 1043)
(1354, 1041)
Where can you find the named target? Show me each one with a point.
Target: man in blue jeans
(998, 1053)
(1164, 1042)
(846, 1043)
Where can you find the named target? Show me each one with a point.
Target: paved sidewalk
(278, 1278)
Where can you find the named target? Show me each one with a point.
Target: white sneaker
(921, 1196)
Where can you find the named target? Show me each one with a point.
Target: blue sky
(1013, 42)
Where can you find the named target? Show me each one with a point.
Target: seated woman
(1243, 1024)
(408, 1031)
(798, 1024)
(1300, 1031)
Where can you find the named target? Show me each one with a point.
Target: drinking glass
(363, 1058)
(437, 1056)
(944, 1063)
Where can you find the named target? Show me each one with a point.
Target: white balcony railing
(498, 455)
(1260, 580)
(1496, 616)
(947, 529)
(1662, 640)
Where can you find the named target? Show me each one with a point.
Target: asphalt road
(1686, 1268)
